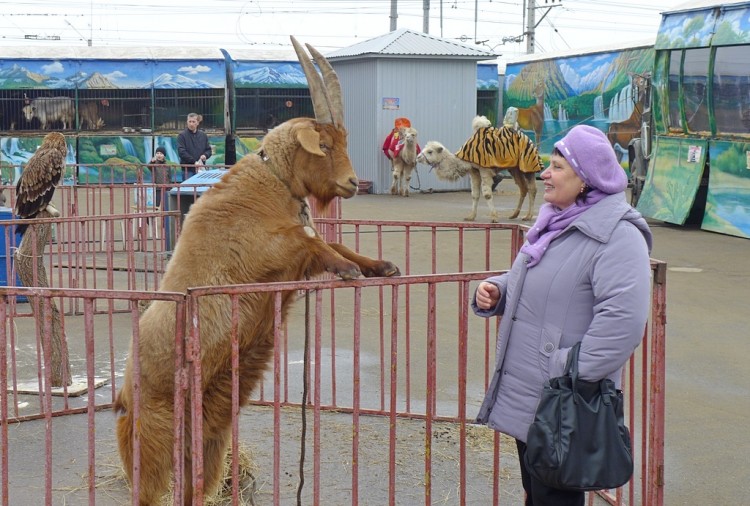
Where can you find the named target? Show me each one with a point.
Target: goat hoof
(381, 269)
(388, 269)
(513, 216)
(346, 271)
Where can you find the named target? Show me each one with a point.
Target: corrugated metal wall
(438, 96)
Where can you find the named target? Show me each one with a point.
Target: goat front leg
(475, 184)
(486, 180)
(321, 257)
(370, 267)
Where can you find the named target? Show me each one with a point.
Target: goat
(404, 161)
(252, 226)
(532, 118)
(490, 150)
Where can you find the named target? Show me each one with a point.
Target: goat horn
(332, 84)
(315, 84)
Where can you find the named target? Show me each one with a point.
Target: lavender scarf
(552, 221)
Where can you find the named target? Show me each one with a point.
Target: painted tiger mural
(488, 152)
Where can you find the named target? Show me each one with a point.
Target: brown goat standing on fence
(252, 226)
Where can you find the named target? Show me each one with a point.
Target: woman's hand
(487, 295)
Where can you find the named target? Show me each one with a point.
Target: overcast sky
(326, 24)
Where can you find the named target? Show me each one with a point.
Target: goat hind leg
(156, 439)
(214, 454)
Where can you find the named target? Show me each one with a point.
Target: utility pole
(394, 14)
(530, 26)
(531, 22)
(426, 16)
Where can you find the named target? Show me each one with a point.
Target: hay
(247, 485)
(114, 481)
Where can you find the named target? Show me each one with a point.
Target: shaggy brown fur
(252, 226)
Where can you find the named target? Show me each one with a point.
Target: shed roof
(404, 43)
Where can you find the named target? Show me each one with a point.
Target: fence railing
(369, 397)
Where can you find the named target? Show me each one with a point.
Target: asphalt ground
(707, 397)
(708, 342)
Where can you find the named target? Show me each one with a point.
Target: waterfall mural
(16, 151)
(594, 88)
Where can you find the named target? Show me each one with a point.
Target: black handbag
(578, 440)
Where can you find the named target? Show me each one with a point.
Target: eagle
(37, 183)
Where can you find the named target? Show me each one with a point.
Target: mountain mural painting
(111, 74)
(598, 89)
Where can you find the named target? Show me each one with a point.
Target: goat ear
(309, 139)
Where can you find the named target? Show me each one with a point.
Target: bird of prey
(37, 183)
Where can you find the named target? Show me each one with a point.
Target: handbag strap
(571, 369)
(571, 366)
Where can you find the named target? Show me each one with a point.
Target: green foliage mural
(673, 179)
(728, 189)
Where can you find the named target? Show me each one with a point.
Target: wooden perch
(32, 247)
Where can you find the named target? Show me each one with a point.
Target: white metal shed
(431, 81)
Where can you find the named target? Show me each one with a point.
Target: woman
(583, 275)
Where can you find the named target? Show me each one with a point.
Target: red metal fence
(393, 372)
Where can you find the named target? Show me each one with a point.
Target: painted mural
(111, 74)
(260, 74)
(728, 199)
(601, 90)
(15, 152)
(289, 74)
(675, 190)
(714, 27)
(107, 159)
(673, 180)
(487, 78)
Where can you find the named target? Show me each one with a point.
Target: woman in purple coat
(582, 275)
